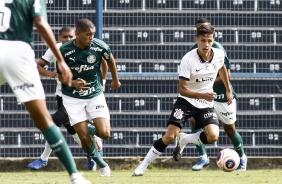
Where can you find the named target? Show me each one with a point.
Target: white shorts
(83, 109)
(18, 68)
(226, 113)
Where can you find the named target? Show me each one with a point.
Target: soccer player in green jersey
(85, 98)
(225, 113)
(19, 70)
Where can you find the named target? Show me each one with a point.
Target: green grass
(152, 176)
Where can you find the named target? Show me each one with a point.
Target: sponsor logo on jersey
(197, 70)
(82, 68)
(178, 114)
(106, 55)
(220, 96)
(204, 79)
(100, 107)
(23, 86)
(91, 58)
(68, 53)
(96, 49)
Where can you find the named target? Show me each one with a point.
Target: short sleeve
(185, 68)
(39, 8)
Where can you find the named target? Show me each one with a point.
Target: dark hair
(65, 29)
(203, 20)
(205, 29)
(83, 24)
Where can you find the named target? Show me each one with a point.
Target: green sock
(94, 154)
(238, 144)
(91, 129)
(201, 148)
(59, 146)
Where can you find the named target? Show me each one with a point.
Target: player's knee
(212, 138)
(105, 135)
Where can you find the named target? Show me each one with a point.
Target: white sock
(150, 157)
(193, 138)
(205, 156)
(76, 139)
(47, 152)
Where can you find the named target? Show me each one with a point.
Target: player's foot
(98, 141)
(202, 162)
(90, 162)
(77, 178)
(180, 145)
(138, 172)
(243, 164)
(106, 171)
(37, 164)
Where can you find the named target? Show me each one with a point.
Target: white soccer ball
(228, 160)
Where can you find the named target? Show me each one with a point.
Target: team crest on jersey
(178, 114)
(91, 58)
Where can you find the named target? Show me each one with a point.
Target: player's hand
(230, 97)
(115, 85)
(66, 75)
(53, 74)
(209, 96)
(80, 84)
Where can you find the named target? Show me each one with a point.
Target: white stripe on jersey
(201, 75)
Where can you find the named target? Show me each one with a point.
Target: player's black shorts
(183, 110)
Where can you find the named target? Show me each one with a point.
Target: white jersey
(201, 75)
(49, 57)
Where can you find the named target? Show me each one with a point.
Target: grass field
(152, 176)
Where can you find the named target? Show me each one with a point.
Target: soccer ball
(227, 160)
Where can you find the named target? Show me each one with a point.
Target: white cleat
(106, 171)
(98, 141)
(138, 172)
(77, 178)
(178, 150)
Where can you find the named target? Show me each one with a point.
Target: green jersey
(85, 64)
(219, 88)
(17, 16)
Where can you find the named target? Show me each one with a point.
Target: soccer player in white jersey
(18, 69)
(198, 70)
(225, 113)
(60, 117)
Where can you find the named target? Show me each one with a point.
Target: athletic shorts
(183, 110)
(18, 68)
(226, 113)
(83, 109)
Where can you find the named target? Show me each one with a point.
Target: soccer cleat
(201, 163)
(138, 172)
(77, 178)
(37, 164)
(90, 162)
(243, 164)
(106, 171)
(98, 141)
(177, 152)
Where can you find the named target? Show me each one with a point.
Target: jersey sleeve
(184, 69)
(48, 57)
(39, 8)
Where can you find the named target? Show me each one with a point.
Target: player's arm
(47, 35)
(112, 65)
(105, 69)
(225, 79)
(42, 71)
(185, 91)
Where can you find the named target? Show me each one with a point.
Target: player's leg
(203, 160)
(23, 77)
(205, 119)
(175, 123)
(98, 111)
(227, 115)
